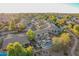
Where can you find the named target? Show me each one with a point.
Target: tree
(20, 26)
(56, 44)
(69, 26)
(52, 18)
(1, 25)
(61, 42)
(65, 39)
(10, 49)
(29, 50)
(76, 29)
(30, 34)
(11, 24)
(16, 49)
(1, 42)
(69, 17)
(60, 21)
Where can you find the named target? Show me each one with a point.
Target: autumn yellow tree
(62, 39)
(61, 42)
(52, 18)
(29, 50)
(60, 21)
(30, 34)
(65, 38)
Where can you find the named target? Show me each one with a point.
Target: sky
(40, 8)
(74, 4)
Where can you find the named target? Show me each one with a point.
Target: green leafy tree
(10, 49)
(69, 17)
(1, 42)
(16, 49)
(20, 51)
(76, 29)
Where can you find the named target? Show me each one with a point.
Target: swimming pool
(3, 54)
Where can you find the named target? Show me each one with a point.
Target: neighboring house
(55, 30)
(73, 18)
(46, 44)
(59, 17)
(68, 21)
(39, 24)
(77, 21)
(41, 52)
(43, 40)
(4, 19)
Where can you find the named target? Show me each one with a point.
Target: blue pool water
(74, 4)
(3, 54)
